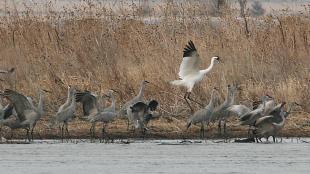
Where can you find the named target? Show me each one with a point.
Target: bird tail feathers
(176, 82)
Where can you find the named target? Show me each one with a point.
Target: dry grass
(98, 49)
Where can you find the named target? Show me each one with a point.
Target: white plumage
(190, 72)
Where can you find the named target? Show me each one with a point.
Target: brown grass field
(95, 48)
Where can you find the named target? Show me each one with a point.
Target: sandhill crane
(204, 115)
(106, 116)
(65, 113)
(248, 116)
(271, 124)
(189, 73)
(93, 111)
(221, 113)
(262, 110)
(138, 98)
(140, 115)
(28, 116)
(90, 107)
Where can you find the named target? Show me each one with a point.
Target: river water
(157, 156)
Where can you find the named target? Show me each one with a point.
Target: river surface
(157, 156)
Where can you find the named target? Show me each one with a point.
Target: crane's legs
(67, 132)
(102, 133)
(11, 137)
(220, 127)
(188, 97)
(202, 131)
(274, 139)
(92, 132)
(62, 133)
(28, 136)
(225, 127)
(185, 98)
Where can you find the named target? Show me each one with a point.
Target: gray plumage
(140, 113)
(106, 116)
(27, 114)
(271, 124)
(125, 109)
(65, 112)
(204, 115)
(251, 117)
(221, 113)
(137, 98)
(89, 102)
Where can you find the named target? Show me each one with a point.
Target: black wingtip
(189, 49)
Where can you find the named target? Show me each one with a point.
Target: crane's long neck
(73, 103)
(290, 108)
(212, 100)
(141, 92)
(264, 104)
(230, 96)
(69, 96)
(40, 104)
(205, 71)
(113, 103)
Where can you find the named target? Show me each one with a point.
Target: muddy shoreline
(162, 128)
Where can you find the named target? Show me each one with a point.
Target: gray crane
(140, 113)
(221, 112)
(262, 110)
(271, 124)
(190, 72)
(248, 116)
(65, 113)
(90, 107)
(106, 116)
(204, 115)
(93, 111)
(26, 113)
(140, 97)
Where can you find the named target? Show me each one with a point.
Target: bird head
(145, 82)
(267, 97)
(110, 93)
(216, 59)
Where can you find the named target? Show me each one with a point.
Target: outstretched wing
(8, 111)
(139, 107)
(88, 101)
(239, 109)
(153, 105)
(19, 101)
(191, 60)
(263, 120)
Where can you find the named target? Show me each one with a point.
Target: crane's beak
(45, 90)
(106, 96)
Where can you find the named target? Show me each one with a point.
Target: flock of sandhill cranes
(264, 119)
